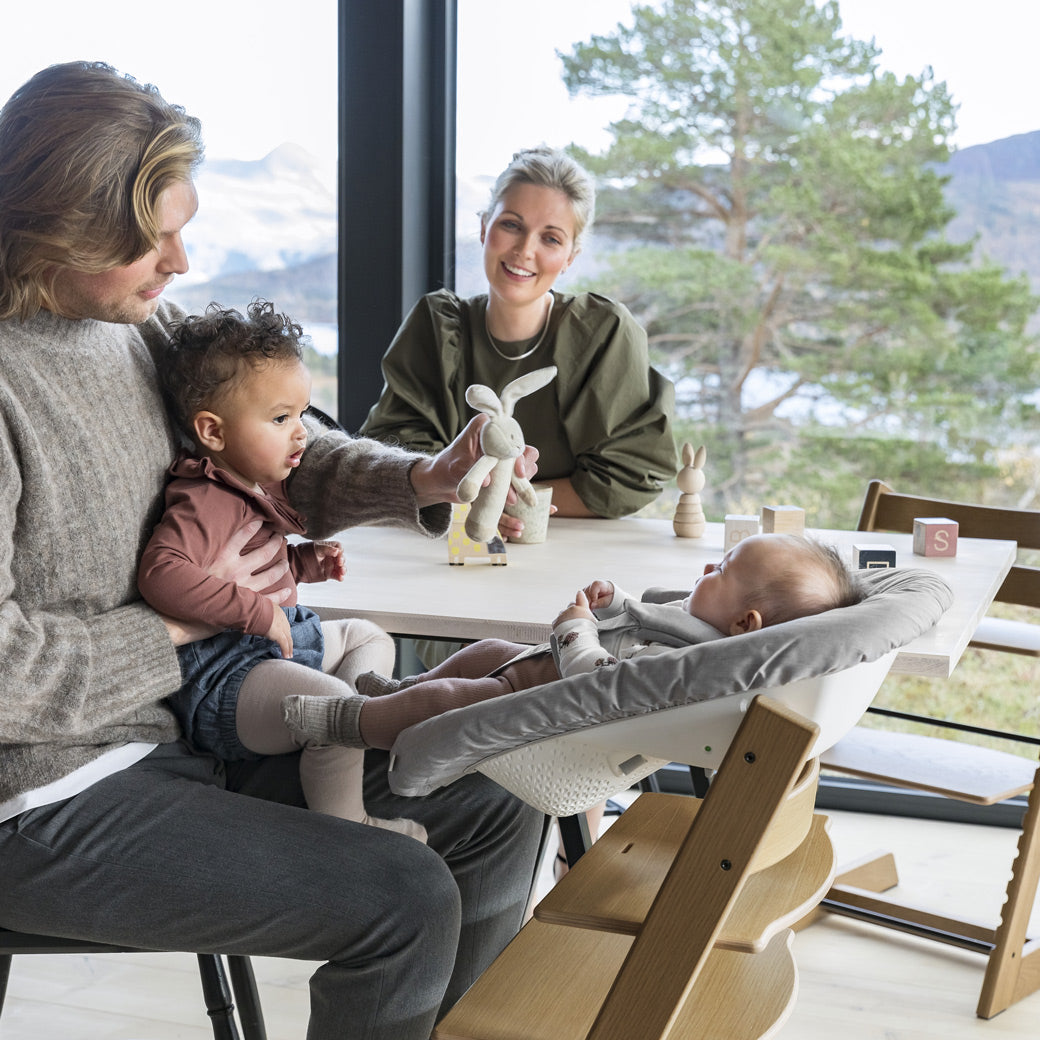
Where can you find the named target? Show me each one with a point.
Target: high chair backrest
(567, 745)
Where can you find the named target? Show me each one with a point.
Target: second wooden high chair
(956, 769)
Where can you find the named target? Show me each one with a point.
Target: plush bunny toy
(502, 441)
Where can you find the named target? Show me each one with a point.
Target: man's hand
(253, 570)
(437, 479)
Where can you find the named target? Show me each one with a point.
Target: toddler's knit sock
(325, 720)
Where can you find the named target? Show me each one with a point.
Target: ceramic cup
(535, 518)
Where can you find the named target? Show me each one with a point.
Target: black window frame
(396, 191)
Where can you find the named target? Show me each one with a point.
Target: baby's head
(771, 578)
(237, 387)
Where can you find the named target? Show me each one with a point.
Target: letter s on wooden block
(935, 536)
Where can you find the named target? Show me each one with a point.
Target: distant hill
(268, 228)
(1009, 159)
(306, 290)
(995, 189)
(264, 228)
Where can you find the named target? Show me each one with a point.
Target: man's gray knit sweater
(84, 448)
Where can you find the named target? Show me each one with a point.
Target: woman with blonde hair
(602, 427)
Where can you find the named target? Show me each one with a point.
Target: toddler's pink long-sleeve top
(205, 506)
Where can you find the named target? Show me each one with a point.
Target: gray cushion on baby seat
(900, 605)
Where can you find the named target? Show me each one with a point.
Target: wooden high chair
(673, 925)
(691, 938)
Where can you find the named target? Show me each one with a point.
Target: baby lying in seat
(764, 580)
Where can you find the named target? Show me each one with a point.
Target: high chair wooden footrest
(566, 973)
(670, 981)
(613, 885)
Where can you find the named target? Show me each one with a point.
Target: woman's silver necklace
(530, 350)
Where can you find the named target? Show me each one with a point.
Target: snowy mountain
(268, 228)
(265, 215)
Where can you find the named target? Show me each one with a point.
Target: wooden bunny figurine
(502, 441)
(688, 521)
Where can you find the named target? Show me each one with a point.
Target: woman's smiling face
(528, 241)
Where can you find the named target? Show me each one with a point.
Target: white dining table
(404, 583)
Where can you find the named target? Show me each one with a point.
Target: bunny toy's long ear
(484, 399)
(524, 385)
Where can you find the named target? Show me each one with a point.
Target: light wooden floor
(856, 982)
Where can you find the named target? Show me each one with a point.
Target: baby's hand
(599, 593)
(281, 633)
(578, 609)
(330, 556)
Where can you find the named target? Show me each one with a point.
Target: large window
(263, 80)
(812, 435)
(512, 94)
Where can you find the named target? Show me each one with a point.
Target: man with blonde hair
(112, 828)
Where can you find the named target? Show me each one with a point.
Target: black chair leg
(701, 781)
(217, 994)
(577, 840)
(5, 974)
(250, 1014)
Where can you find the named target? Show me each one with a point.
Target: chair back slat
(887, 510)
(1021, 587)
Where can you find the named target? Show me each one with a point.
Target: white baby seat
(566, 746)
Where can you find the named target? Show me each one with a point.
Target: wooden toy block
(688, 521)
(873, 555)
(739, 527)
(462, 548)
(783, 520)
(935, 536)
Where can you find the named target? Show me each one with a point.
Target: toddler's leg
(331, 776)
(353, 647)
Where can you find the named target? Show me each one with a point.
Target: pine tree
(781, 205)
